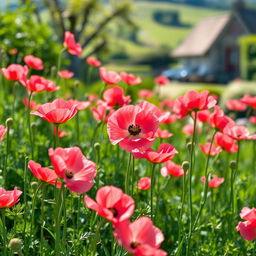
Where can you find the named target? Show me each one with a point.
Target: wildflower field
(118, 173)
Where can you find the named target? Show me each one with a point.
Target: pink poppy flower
(80, 105)
(218, 120)
(163, 154)
(162, 80)
(147, 250)
(58, 111)
(226, 142)
(132, 127)
(238, 132)
(93, 61)
(247, 228)
(249, 100)
(167, 104)
(71, 45)
(93, 97)
(102, 112)
(236, 105)
(61, 133)
(34, 62)
(114, 96)
(189, 129)
(138, 233)
(252, 119)
(163, 134)
(15, 72)
(9, 198)
(66, 74)
(74, 168)
(146, 94)
(109, 77)
(206, 148)
(112, 204)
(44, 174)
(3, 131)
(33, 104)
(193, 101)
(130, 79)
(170, 168)
(144, 183)
(214, 182)
(169, 118)
(204, 116)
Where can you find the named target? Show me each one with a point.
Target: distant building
(212, 46)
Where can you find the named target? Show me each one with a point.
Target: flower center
(114, 211)
(69, 174)
(134, 129)
(134, 244)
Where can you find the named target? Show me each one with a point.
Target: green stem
(29, 126)
(127, 176)
(56, 138)
(4, 235)
(59, 64)
(6, 155)
(42, 222)
(206, 174)
(77, 128)
(97, 237)
(151, 189)
(190, 184)
(133, 163)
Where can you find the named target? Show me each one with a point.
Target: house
(212, 47)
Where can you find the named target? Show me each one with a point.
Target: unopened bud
(232, 165)
(9, 122)
(96, 145)
(76, 83)
(33, 126)
(53, 70)
(15, 244)
(189, 146)
(34, 185)
(185, 165)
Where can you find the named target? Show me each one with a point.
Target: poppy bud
(34, 185)
(33, 126)
(15, 244)
(185, 165)
(9, 122)
(53, 70)
(232, 165)
(96, 145)
(189, 146)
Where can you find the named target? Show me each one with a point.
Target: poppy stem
(56, 138)
(152, 188)
(97, 236)
(206, 175)
(190, 172)
(127, 176)
(7, 151)
(42, 222)
(59, 64)
(4, 235)
(77, 129)
(133, 163)
(29, 126)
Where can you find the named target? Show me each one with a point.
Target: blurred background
(192, 42)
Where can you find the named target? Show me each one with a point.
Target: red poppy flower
(147, 250)
(115, 97)
(170, 168)
(93, 61)
(66, 74)
(226, 142)
(34, 62)
(167, 104)
(109, 77)
(162, 80)
(112, 204)
(163, 134)
(45, 174)
(80, 105)
(58, 111)
(214, 182)
(204, 116)
(206, 148)
(102, 112)
(247, 228)
(146, 94)
(236, 105)
(3, 131)
(218, 120)
(144, 183)
(130, 79)
(61, 133)
(132, 127)
(71, 45)
(163, 154)
(193, 101)
(74, 168)
(249, 100)
(252, 119)
(169, 118)
(238, 132)
(138, 233)
(15, 72)
(189, 129)
(9, 198)
(33, 104)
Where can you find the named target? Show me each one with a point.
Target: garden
(101, 162)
